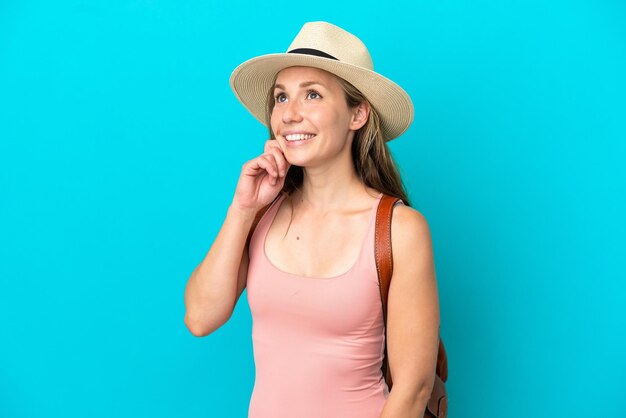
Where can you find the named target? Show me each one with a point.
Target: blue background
(121, 144)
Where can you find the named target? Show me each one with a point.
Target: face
(311, 118)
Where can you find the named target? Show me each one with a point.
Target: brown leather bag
(437, 405)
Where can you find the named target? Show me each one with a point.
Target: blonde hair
(371, 156)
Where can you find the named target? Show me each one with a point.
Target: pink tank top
(318, 342)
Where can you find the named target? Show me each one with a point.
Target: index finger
(271, 143)
(273, 147)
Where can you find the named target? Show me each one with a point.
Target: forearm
(211, 289)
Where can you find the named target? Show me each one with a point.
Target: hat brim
(252, 79)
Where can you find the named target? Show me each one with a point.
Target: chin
(299, 162)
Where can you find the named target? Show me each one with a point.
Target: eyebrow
(302, 85)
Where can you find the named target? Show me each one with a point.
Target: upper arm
(413, 305)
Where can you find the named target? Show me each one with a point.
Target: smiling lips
(298, 137)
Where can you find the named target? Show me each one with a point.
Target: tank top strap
(258, 235)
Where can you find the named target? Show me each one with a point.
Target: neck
(327, 189)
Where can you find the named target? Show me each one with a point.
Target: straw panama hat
(328, 47)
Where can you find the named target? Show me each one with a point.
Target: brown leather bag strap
(384, 264)
(383, 250)
(384, 267)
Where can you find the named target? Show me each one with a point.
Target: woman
(318, 333)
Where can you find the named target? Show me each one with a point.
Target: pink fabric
(318, 342)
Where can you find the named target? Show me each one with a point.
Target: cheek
(322, 118)
(334, 121)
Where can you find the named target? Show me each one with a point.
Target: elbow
(199, 328)
(194, 327)
(424, 395)
(414, 395)
(425, 390)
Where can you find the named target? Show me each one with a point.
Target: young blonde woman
(309, 267)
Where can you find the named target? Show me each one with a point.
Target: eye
(278, 98)
(313, 93)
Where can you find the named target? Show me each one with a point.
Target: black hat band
(311, 51)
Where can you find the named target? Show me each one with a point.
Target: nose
(291, 112)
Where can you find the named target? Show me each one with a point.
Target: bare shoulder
(409, 229)
(412, 249)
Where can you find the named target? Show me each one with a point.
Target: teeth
(298, 137)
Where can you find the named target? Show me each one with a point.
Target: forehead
(299, 74)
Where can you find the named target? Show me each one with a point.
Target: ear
(360, 113)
